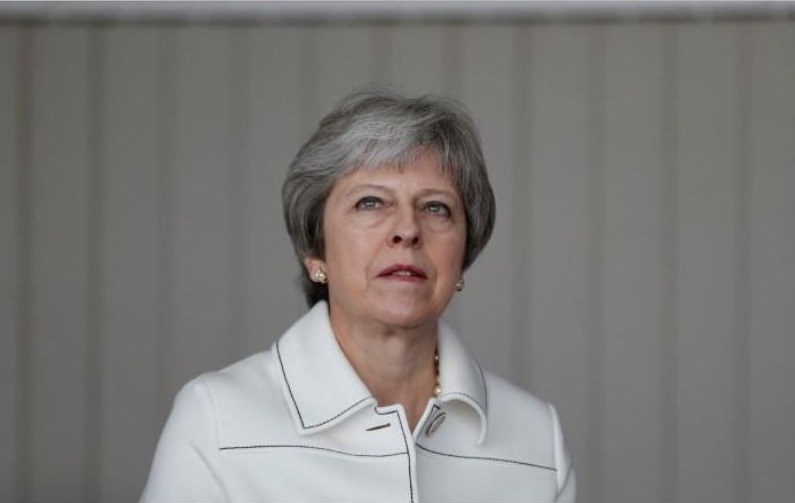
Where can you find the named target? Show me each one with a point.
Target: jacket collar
(461, 376)
(322, 389)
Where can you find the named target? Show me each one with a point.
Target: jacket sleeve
(567, 484)
(185, 467)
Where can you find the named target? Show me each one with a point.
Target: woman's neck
(396, 365)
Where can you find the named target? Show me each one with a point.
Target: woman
(370, 396)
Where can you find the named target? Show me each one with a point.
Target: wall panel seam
(452, 59)
(522, 205)
(742, 468)
(380, 53)
(165, 266)
(238, 146)
(595, 220)
(669, 334)
(24, 106)
(309, 83)
(95, 147)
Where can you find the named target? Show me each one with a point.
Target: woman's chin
(407, 315)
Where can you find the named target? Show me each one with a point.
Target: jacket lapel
(320, 385)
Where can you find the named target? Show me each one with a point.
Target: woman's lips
(403, 272)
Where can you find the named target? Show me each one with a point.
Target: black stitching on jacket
(406, 443)
(486, 458)
(378, 427)
(298, 410)
(311, 447)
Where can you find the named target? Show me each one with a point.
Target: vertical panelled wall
(641, 275)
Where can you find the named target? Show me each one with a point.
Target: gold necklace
(437, 389)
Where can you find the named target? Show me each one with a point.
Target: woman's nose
(407, 230)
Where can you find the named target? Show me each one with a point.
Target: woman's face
(394, 244)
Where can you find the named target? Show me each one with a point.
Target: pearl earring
(459, 284)
(319, 276)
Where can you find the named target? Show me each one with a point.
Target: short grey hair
(375, 127)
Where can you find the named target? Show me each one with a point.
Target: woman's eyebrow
(434, 191)
(366, 186)
(383, 188)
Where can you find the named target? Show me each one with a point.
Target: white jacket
(297, 424)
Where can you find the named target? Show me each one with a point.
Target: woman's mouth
(403, 272)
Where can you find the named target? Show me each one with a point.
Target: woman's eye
(437, 208)
(369, 203)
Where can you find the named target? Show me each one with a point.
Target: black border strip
(238, 13)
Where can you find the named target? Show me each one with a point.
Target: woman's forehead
(424, 170)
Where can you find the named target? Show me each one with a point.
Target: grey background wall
(641, 275)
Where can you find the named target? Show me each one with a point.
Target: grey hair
(375, 127)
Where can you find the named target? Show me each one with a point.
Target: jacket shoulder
(248, 403)
(521, 425)
(527, 427)
(526, 409)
